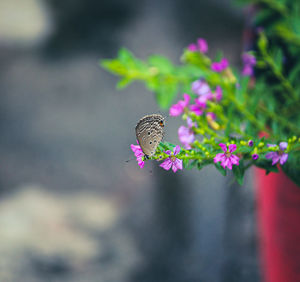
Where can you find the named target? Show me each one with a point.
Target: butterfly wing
(149, 133)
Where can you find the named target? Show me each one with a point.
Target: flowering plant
(227, 110)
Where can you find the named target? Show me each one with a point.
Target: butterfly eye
(161, 123)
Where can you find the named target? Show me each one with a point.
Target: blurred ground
(71, 208)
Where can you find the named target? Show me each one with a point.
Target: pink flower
(138, 152)
(178, 109)
(227, 159)
(186, 134)
(202, 45)
(200, 87)
(218, 94)
(172, 161)
(219, 66)
(197, 108)
(193, 47)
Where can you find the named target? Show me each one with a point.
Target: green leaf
(114, 66)
(278, 59)
(163, 146)
(220, 169)
(267, 165)
(294, 75)
(125, 56)
(192, 164)
(241, 91)
(162, 63)
(239, 172)
(124, 82)
(262, 43)
(230, 119)
(245, 149)
(166, 94)
(292, 167)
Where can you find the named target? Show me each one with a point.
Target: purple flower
(138, 152)
(177, 109)
(250, 143)
(280, 156)
(193, 47)
(249, 62)
(227, 159)
(200, 87)
(172, 161)
(219, 66)
(255, 156)
(202, 45)
(186, 134)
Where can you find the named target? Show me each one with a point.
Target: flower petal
(232, 148)
(219, 157)
(275, 159)
(247, 70)
(135, 148)
(224, 63)
(190, 122)
(176, 150)
(223, 146)
(178, 163)
(270, 155)
(200, 87)
(218, 93)
(283, 158)
(192, 47)
(166, 164)
(186, 98)
(224, 163)
(283, 145)
(196, 109)
(202, 45)
(186, 135)
(234, 159)
(174, 168)
(176, 110)
(229, 164)
(168, 152)
(141, 164)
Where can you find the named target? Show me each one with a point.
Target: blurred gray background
(71, 208)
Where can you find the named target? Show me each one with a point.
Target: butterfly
(149, 133)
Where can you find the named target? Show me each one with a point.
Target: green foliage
(292, 167)
(220, 169)
(267, 166)
(239, 172)
(268, 104)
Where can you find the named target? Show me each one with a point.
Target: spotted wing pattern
(149, 132)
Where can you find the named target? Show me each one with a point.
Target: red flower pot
(278, 200)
